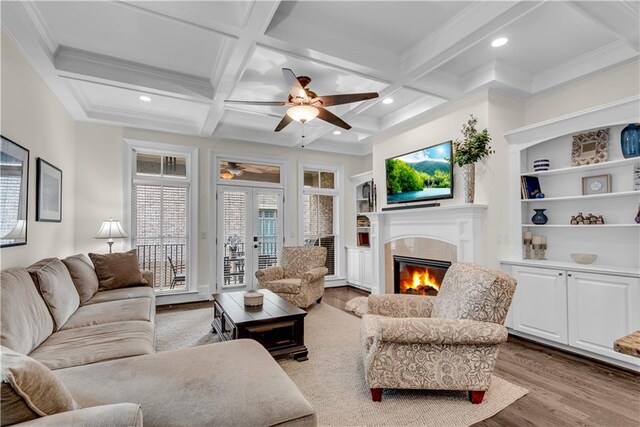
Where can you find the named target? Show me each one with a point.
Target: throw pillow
(30, 390)
(117, 270)
(83, 275)
(57, 289)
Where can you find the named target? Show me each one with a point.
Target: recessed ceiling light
(499, 42)
(387, 101)
(336, 132)
(145, 98)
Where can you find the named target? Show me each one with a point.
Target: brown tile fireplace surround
(446, 233)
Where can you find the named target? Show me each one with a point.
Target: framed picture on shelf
(48, 192)
(590, 147)
(14, 184)
(597, 184)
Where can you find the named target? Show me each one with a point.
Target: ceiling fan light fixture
(226, 175)
(303, 113)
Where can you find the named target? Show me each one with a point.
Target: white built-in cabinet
(540, 305)
(580, 308)
(359, 257)
(359, 267)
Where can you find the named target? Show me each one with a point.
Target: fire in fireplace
(418, 276)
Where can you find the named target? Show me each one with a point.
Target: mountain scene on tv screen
(424, 174)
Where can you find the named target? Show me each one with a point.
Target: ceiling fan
(234, 169)
(306, 105)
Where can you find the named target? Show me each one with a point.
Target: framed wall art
(597, 184)
(14, 191)
(590, 147)
(48, 192)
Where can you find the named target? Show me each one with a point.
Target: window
(320, 200)
(161, 216)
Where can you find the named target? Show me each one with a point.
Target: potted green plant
(473, 147)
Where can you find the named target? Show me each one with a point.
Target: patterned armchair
(446, 342)
(300, 277)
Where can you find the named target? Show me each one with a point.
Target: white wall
(33, 118)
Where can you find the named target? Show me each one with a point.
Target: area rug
(333, 377)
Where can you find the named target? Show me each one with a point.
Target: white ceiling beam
(471, 26)
(497, 74)
(80, 65)
(143, 120)
(619, 17)
(230, 73)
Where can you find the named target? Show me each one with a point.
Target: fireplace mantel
(459, 225)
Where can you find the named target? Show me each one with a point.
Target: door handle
(255, 246)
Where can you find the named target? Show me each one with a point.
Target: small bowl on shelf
(584, 258)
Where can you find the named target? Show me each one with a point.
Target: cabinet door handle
(569, 274)
(559, 274)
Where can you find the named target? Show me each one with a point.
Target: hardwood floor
(564, 389)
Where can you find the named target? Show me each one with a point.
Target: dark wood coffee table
(277, 324)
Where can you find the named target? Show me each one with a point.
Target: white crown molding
(143, 120)
(19, 26)
(582, 66)
(82, 65)
(45, 35)
(619, 112)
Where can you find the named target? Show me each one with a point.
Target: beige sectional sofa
(99, 347)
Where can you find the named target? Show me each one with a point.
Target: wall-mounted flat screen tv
(425, 174)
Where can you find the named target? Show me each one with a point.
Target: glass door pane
(268, 227)
(233, 204)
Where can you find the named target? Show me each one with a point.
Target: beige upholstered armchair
(446, 342)
(300, 277)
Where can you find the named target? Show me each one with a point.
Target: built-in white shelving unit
(577, 307)
(359, 256)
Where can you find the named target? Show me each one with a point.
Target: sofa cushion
(30, 390)
(81, 346)
(117, 270)
(83, 275)
(123, 293)
(284, 286)
(110, 312)
(180, 387)
(26, 321)
(57, 289)
(470, 291)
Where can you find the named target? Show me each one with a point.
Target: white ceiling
(189, 56)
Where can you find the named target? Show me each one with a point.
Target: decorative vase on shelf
(539, 218)
(469, 177)
(630, 140)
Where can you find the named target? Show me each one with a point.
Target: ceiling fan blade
(284, 122)
(346, 98)
(293, 85)
(328, 116)
(274, 103)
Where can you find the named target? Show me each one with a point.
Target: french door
(250, 234)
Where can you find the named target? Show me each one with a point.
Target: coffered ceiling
(99, 57)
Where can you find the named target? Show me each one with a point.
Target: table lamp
(111, 229)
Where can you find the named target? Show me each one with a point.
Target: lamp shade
(303, 113)
(18, 232)
(111, 229)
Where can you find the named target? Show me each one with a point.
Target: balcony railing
(155, 259)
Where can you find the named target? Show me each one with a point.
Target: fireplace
(418, 276)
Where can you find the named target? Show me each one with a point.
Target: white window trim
(215, 180)
(191, 155)
(338, 217)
